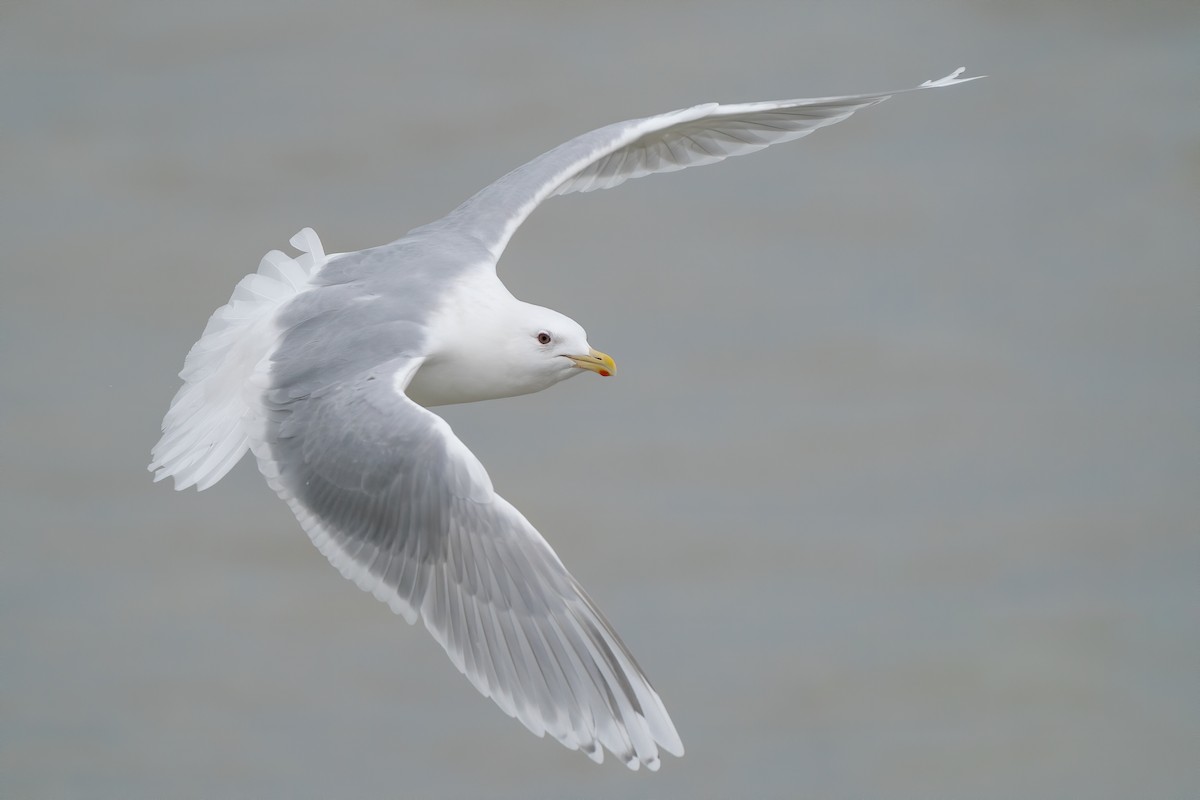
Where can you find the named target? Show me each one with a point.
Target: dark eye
(543, 338)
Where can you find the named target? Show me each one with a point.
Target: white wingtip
(950, 79)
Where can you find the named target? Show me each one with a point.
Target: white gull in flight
(325, 367)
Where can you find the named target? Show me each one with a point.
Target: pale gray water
(896, 493)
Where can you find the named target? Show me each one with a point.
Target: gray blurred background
(896, 494)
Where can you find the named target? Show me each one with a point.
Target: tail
(204, 431)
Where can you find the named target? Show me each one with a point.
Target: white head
(503, 350)
(545, 347)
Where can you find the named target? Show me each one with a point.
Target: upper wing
(399, 505)
(611, 155)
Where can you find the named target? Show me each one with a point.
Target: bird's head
(552, 347)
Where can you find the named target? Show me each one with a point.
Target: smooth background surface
(895, 494)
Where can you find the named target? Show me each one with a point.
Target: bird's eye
(543, 338)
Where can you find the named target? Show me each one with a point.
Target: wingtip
(674, 747)
(161, 473)
(950, 80)
(593, 750)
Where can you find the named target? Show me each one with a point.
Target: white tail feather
(204, 431)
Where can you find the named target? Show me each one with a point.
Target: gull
(325, 367)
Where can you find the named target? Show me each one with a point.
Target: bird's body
(325, 366)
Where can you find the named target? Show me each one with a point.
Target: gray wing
(611, 155)
(400, 506)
